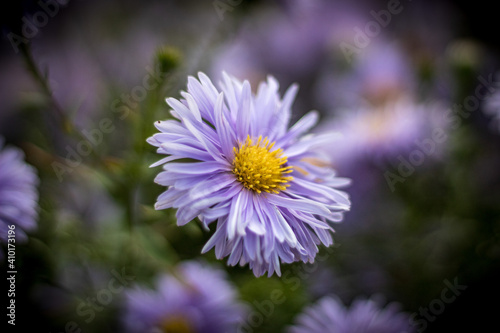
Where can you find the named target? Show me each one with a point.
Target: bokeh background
(425, 173)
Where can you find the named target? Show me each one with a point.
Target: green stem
(61, 116)
(41, 80)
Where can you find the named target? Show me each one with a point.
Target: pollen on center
(176, 324)
(260, 169)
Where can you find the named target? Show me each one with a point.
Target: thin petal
(195, 168)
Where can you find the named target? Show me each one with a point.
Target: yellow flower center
(176, 325)
(260, 169)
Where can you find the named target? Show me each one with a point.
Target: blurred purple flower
(292, 42)
(376, 138)
(269, 191)
(363, 316)
(381, 132)
(379, 73)
(376, 130)
(196, 298)
(18, 194)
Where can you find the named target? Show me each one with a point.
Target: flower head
(18, 194)
(363, 316)
(196, 298)
(269, 192)
(385, 131)
(378, 131)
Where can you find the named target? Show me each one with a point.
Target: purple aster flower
(381, 72)
(18, 194)
(377, 131)
(269, 192)
(291, 41)
(196, 298)
(363, 316)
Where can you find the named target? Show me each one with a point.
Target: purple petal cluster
(18, 194)
(363, 316)
(270, 194)
(195, 298)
